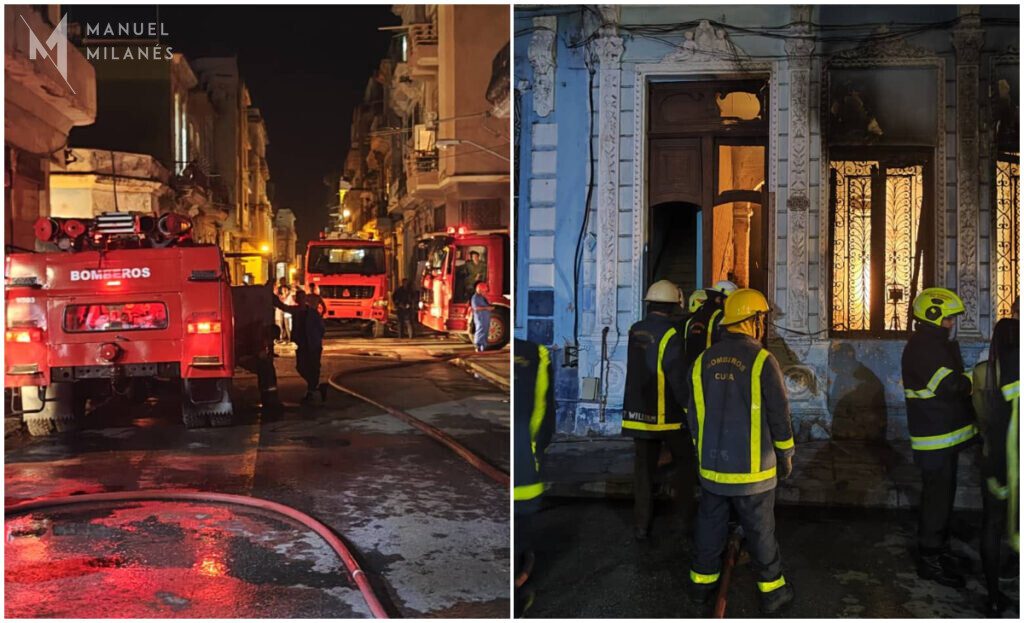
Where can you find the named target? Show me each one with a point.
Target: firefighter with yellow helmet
(739, 417)
(655, 393)
(941, 422)
(704, 325)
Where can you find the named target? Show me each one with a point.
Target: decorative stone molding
(705, 42)
(542, 58)
(968, 38)
(799, 47)
(895, 46)
(609, 49)
(895, 52)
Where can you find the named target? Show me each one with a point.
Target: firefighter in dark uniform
(534, 423)
(738, 415)
(996, 402)
(941, 422)
(652, 409)
(704, 325)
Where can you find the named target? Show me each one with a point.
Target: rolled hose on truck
(355, 572)
(433, 432)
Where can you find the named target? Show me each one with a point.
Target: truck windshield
(324, 260)
(95, 317)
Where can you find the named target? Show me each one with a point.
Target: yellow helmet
(933, 305)
(697, 299)
(742, 304)
(663, 291)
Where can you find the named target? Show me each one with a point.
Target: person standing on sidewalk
(739, 418)
(941, 422)
(533, 426)
(652, 407)
(481, 315)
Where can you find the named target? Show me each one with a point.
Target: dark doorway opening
(675, 244)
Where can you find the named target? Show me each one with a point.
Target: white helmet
(724, 286)
(663, 291)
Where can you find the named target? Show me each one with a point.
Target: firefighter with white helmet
(704, 326)
(739, 418)
(941, 423)
(652, 409)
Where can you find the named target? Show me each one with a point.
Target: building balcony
(422, 57)
(421, 174)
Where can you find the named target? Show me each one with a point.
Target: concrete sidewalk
(493, 366)
(825, 473)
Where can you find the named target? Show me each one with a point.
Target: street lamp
(264, 248)
(452, 142)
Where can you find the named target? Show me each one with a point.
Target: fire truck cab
(114, 304)
(352, 275)
(455, 262)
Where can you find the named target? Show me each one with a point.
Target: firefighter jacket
(1001, 430)
(738, 416)
(534, 420)
(655, 379)
(703, 329)
(938, 393)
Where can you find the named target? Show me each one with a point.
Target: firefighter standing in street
(308, 335)
(533, 425)
(941, 423)
(704, 325)
(996, 402)
(739, 416)
(652, 409)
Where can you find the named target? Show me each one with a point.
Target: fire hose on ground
(356, 573)
(732, 553)
(433, 432)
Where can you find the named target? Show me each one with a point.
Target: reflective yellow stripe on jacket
(660, 425)
(528, 492)
(756, 474)
(946, 440)
(933, 384)
(1011, 393)
(711, 327)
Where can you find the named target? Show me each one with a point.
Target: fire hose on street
(476, 461)
(732, 553)
(356, 573)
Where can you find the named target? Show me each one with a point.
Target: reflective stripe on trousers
(755, 474)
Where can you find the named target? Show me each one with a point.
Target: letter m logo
(56, 43)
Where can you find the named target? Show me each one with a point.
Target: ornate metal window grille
(876, 230)
(1007, 260)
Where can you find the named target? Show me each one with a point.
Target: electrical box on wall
(590, 389)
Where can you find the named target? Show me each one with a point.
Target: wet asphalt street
(430, 531)
(842, 563)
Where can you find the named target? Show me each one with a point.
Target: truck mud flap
(206, 402)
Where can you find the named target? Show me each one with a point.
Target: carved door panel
(675, 173)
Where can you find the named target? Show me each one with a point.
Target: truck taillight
(203, 327)
(25, 335)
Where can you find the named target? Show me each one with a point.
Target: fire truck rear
(116, 304)
(455, 262)
(352, 275)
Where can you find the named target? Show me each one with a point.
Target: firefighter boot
(931, 567)
(701, 594)
(774, 601)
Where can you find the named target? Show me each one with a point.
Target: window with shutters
(1007, 233)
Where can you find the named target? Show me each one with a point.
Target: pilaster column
(798, 200)
(968, 38)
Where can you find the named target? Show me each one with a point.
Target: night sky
(305, 66)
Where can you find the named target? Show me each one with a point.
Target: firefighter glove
(785, 467)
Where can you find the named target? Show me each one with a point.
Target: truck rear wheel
(61, 412)
(206, 402)
(497, 332)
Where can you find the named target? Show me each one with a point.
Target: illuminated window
(1007, 258)
(878, 244)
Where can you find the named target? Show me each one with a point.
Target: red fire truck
(115, 304)
(352, 275)
(455, 261)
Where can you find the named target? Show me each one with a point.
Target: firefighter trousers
(757, 516)
(645, 466)
(405, 323)
(307, 363)
(993, 535)
(938, 490)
